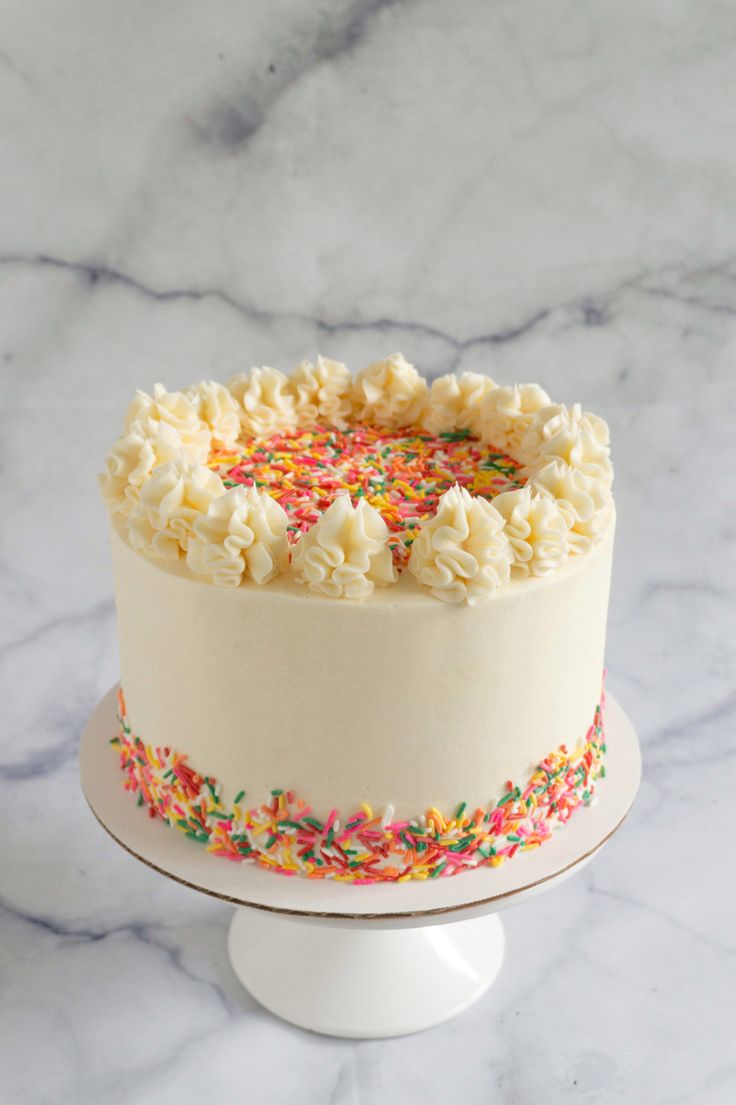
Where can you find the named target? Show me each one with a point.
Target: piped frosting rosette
(554, 500)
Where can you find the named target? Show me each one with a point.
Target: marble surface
(537, 190)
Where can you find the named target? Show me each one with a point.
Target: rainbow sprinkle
(401, 473)
(283, 834)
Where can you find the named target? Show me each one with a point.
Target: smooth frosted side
(400, 699)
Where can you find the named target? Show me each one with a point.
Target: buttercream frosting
(569, 434)
(175, 409)
(154, 477)
(345, 554)
(462, 553)
(584, 502)
(390, 393)
(177, 493)
(455, 402)
(537, 530)
(506, 414)
(266, 403)
(243, 534)
(321, 393)
(218, 409)
(144, 445)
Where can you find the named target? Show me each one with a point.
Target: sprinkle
(401, 473)
(282, 836)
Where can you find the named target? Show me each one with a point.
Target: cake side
(390, 701)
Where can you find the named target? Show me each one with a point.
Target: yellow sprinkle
(367, 811)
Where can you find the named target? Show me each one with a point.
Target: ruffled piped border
(172, 506)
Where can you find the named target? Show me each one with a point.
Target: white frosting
(390, 393)
(459, 555)
(455, 402)
(345, 554)
(584, 501)
(266, 404)
(537, 530)
(243, 533)
(348, 702)
(218, 409)
(142, 447)
(321, 393)
(506, 414)
(176, 494)
(572, 435)
(172, 408)
(462, 553)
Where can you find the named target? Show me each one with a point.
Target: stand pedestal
(355, 982)
(362, 961)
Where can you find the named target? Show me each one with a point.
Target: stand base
(368, 961)
(364, 983)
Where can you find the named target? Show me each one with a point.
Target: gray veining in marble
(537, 190)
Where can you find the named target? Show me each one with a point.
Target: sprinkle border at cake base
(282, 834)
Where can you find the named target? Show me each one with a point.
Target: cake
(361, 618)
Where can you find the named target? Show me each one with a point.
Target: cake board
(362, 961)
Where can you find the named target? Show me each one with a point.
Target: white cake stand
(361, 961)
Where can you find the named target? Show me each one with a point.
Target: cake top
(348, 481)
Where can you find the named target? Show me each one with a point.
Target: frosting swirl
(390, 393)
(175, 409)
(537, 531)
(266, 405)
(461, 554)
(506, 414)
(455, 402)
(133, 457)
(584, 502)
(321, 393)
(170, 502)
(572, 435)
(218, 409)
(243, 533)
(345, 554)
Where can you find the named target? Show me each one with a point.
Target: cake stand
(361, 961)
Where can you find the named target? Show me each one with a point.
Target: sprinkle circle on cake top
(400, 473)
(345, 481)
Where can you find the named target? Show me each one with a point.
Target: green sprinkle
(239, 796)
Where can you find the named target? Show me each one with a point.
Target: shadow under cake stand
(361, 961)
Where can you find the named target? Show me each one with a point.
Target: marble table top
(538, 191)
